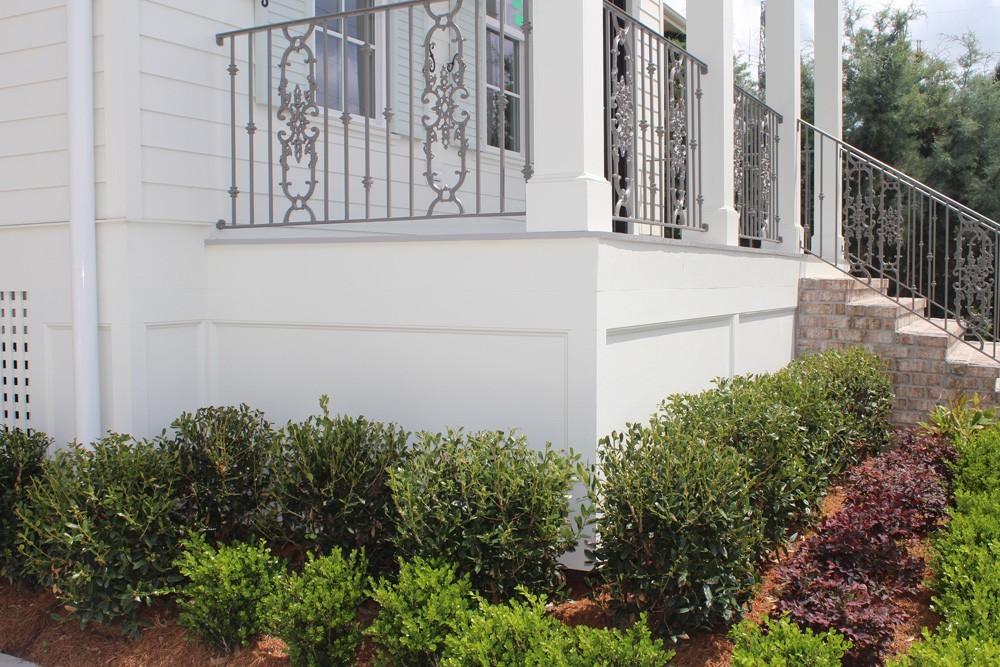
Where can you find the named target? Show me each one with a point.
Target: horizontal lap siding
(184, 98)
(33, 143)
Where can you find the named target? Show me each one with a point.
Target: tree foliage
(935, 119)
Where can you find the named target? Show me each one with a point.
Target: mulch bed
(28, 629)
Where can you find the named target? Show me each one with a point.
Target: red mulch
(27, 628)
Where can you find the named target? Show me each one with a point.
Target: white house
(245, 201)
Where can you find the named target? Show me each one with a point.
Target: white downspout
(82, 217)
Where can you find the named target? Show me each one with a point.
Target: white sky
(943, 17)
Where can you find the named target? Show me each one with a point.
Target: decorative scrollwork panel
(446, 120)
(297, 109)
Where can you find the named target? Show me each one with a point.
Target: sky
(942, 17)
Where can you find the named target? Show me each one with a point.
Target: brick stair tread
(876, 299)
(965, 354)
(932, 327)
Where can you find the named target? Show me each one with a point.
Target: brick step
(966, 354)
(929, 363)
(933, 333)
(896, 314)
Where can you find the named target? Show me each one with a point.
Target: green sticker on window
(519, 20)
(518, 4)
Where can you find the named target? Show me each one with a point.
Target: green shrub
(611, 648)
(427, 604)
(855, 385)
(678, 536)
(977, 468)
(968, 589)
(744, 414)
(97, 528)
(226, 598)
(314, 612)
(226, 458)
(487, 503)
(331, 484)
(975, 520)
(960, 420)
(950, 651)
(785, 645)
(518, 634)
(21, 457)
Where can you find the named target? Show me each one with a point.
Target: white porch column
(568, 191)
(784, 94)
(82, 218)
(710, 38)
(829, 42)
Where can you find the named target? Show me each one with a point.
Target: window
(504, 71)
(354, 82)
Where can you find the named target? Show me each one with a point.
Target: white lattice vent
(15, 383)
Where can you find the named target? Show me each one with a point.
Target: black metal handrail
(903, 237)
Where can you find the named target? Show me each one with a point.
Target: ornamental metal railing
(755, 157)
(406, 111)
(903, 238)
(653, 132)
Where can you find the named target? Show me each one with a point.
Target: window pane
(492, 9)
(324, 7)
(512, 121)
(360, 69)
(329, 72)
(492, 118)
(512, 66)
(493, 58)
(515, 13)
(360, 27)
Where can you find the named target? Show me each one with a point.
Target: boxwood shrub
(315, 612)
(782, 644)
(226, 596)
(489, 504)
(226, 458)
(417, 613)
(950, 651)
(98, 528)
(21, 457)
(521, 633)
(678, 536)
(331, 485)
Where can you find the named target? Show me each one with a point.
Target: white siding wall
(184, 106)
(650, 12)
(33, 139)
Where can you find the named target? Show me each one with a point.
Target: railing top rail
(405, 4)
(657, 36)
(740, 90)
(939, 196)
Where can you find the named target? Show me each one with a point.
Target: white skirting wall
(565, 336)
